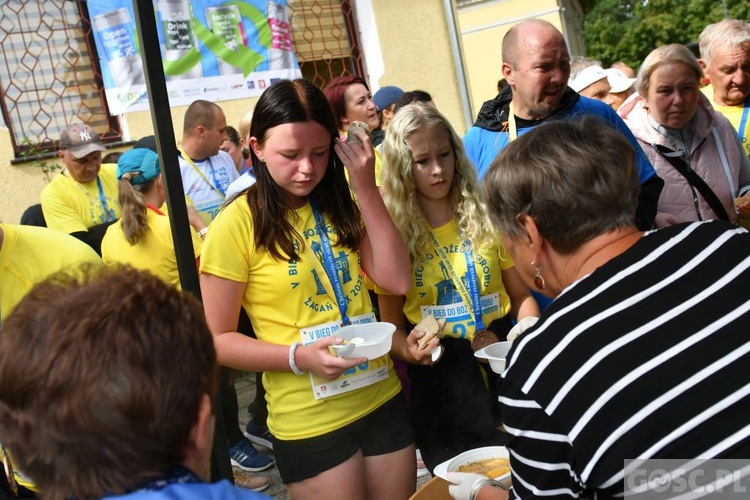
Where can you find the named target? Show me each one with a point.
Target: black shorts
(385, 430)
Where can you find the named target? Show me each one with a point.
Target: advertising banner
(211, 49)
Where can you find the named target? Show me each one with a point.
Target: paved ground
(245, 386)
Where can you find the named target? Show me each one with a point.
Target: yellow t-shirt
(378, 173)
(70, 206)
(283, 297)
(433, 289)
(154, 252)
(29, 255)
(738, 116)
(378, 167)
(378, 162)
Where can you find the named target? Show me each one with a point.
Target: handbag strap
(675, 159)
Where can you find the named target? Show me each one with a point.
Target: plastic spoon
(346, 350)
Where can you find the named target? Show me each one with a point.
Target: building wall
(414, 46)
(22, 183)
(416, 52)
(483, 26)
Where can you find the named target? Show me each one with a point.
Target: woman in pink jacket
(693, 148)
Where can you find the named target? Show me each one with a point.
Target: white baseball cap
(586, 77)
(618, 81)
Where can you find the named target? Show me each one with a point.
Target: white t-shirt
(207, 190)
(243, 182)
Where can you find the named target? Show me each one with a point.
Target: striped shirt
(647, 357)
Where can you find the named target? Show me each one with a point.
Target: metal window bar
(326, 40)
(49, 74)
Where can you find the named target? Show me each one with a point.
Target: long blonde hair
(133, 221)
(400, 193)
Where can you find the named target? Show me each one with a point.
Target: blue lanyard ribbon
(110, 215)
(743, 120)
(329, 264)
(471, 296)
(476, 300)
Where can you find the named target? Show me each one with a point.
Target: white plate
(495, 354)
(442, 470)
(376, 339)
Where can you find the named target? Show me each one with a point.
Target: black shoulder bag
(694, 179)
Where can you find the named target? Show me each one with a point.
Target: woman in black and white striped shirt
(644, 352)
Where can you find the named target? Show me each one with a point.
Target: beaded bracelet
(292, 363)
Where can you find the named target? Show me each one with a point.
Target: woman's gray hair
(726, 34)
(673, 53)
(576, 179)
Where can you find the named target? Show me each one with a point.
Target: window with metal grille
(49, 74)
(326, 39)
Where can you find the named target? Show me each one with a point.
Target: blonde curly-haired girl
(432, 193)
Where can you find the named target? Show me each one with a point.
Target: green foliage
(627, 30)
(38, 153)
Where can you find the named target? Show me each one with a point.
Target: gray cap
(80, 140)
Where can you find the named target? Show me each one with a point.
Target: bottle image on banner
(226, 24)
(280, 53)
(116, 35)
(179, 39)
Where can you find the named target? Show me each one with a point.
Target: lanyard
(216, 186)
(471, 296)
(330, 264)
(109, 215)
(154, 209)
(743, 120)
(512, 127)
(513, 130)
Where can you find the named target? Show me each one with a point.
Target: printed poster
(211, 49)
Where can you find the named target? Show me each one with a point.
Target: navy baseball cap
(386, 96)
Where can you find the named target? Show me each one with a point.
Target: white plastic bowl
(452, 465)
(377, 339)
(495, 354)
(470, 456)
